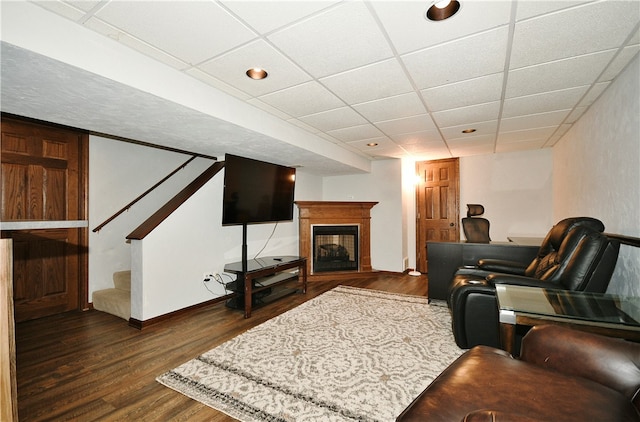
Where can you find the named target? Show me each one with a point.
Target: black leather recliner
(575, 255)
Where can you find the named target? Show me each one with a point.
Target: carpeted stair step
(115, 301)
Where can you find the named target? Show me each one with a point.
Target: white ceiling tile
(135, 43)
(469, 139)
(546, 101)
(552, 118)
(385, 147)
(266, 16)
(474, 145)
(467, 115)
(594, 93)
(471, 150)
(74, 12)
(552, 141)
(312, 42)
(417, 137)
(231, 68)
(355, 133)
(421, 122)
(575, 114)
(303, 125)
(438, 148)
(530, 8)
(210, 80)
(604, 25)
(520, 146)
(172, 26)
(85, 5)
(334, 119)
(561, 74)
(562, 129)
(409, 29)
(391, 108)
(460, 94)
(295, 100)
(459, 60)
(635, 39)
(359, 85)
(482, 128)
(526, 135)
(269, 109)
(619, 62)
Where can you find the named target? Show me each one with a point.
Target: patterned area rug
(349, 354)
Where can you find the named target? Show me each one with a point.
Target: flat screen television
(256, 191)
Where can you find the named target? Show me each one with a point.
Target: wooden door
(437, 205)
(43, 204)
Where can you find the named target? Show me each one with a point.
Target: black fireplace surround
(335, 248)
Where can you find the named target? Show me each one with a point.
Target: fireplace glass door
(335, 248)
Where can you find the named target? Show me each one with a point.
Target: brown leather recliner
(562, 375)
(575, 255)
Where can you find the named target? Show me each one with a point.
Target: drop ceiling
(351, 74)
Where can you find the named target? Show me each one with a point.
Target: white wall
(191, 242)
(515, 189)
(118, 173)
(383, 185)
(597, 171)
(178, 252)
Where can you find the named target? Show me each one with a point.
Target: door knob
(451, 224)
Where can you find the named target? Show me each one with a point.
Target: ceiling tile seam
(453, 40)
(596, 81)
(285, 26)
(560, 11)
(91, 13)
(265, 37)
(564, 59)
(412, 82)
(187, 66)
(507, 63)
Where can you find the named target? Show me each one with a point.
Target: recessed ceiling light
(468, 131)
(442, 9)
(257, 73)
(372, 144)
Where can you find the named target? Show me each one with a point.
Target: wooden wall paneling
(8, 385)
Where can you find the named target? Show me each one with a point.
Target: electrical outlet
(208, 276)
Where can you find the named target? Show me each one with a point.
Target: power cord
(218, 278)
(268, 240)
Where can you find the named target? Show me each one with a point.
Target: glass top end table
(611, 315)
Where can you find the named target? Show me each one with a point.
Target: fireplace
(343, 251)
(335, 248)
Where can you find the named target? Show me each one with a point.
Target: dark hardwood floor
(87, 366)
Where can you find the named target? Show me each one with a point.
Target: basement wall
(596, 171)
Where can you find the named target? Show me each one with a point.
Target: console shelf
(264, 273)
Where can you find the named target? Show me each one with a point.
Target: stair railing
(145, 193)
(163, 212)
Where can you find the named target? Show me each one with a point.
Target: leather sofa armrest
(485, 415)
(471, 271)
(519, 280)
(502, 266)
(612, 362)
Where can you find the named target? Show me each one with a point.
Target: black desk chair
(476, 229)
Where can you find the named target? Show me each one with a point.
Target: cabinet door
(43, 179)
